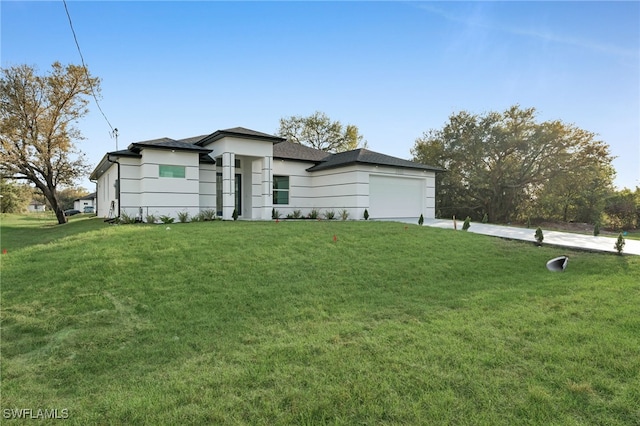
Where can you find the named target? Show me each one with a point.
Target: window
(172, 171)
(281, 190)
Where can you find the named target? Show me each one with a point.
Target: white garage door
(395, 197)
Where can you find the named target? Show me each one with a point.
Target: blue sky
(394, 69)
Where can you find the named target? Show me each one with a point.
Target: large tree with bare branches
(38, 117)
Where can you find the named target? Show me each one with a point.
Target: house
(36, 207)
(253, 172)
(86, 201)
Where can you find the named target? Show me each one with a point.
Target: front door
(238, 194)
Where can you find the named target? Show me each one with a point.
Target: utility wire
(85, 69)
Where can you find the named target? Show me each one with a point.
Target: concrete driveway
(562, 239)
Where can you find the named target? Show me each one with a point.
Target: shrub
(183, 217)
(166, 219)
(485, 218)
(329, 214)
(619, 245)
(275, 214)
(126, 218)
(467, 224)
(234, 215)
(197, 218)
(314, 213)
(151, 218)
(596, 229)
(344, 214)
(297, 214)
(366, 214)
(208, 214)
(421, 220)
(539, 236)
(528, 223)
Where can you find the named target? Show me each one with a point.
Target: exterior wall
(343, 187)
(161, 195)
(81, 204)
(207, 186)
(106, 192)
(36, 207)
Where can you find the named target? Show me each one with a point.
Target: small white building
(253, 173)
(86, 201)
(36, 207)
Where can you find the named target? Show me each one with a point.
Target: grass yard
(277, 323)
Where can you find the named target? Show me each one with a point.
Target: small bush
(485, 218)
(208, 214)
(183, 217)
(234, 215)
(421, 220)
(275, 214)
(467, 224)
(166, 219)
(151, 218)
(313, 214)
(366, 214)
(619, 245)
(297, 214)
(596, 229)
(528, 223)
(329, 214)
(126, 219)
(539, 236)
(197, 218)
(344, 214)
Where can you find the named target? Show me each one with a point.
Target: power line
(86, 71)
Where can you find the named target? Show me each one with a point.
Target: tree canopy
(508, 166)
(318, 131)
(38, 116)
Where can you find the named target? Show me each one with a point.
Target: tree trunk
(51, 196)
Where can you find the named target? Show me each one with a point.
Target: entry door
(238, 190)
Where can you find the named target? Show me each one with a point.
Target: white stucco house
(86, 201)
(254, 173)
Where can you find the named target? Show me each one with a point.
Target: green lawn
(275, 323)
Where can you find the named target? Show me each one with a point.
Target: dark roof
(166, 143)
(88, 197)
(238, 132)
(364, 156)
(192, 139)
(295, 151)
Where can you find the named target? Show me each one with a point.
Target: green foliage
(467, 224)
(485, 218)
(314, 214)
(183, 216)
(304, 343)
(596, 229)
(15, 197)
(126, 218)
(421, 220)
(366, 214)
(297, 214)
(499, 162)
(275, 214)
(234, 215)
(528, 222)
(166, 219)
(620, 242)
(150, 218)
(319, 132)
(622, 210)
(208, 214)
(329, 214)
(344, 214)
(539, 236)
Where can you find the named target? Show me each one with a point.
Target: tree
(15, 197)
(67, 195)
(38, 114)
(622, 210)
(500, 163)
(319, 132)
